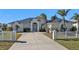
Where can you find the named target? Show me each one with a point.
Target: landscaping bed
(6, 45)
(48, 34)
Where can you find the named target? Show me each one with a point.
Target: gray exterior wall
(27, 24)
(57, 25)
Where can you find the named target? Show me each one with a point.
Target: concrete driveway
(36, 41)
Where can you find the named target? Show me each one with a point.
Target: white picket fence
(8, 35)
(64, 35)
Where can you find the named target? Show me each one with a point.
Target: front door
(34, 27)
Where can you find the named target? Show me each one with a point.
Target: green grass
(7, 45)
(71, 44)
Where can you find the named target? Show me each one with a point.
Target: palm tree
(4, 27)
(17, 27)
(63, 13)
(53, 17)
(76, 17)
(38, 17)
(43, 16)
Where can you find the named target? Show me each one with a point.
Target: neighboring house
(76, 24)
(30, 23)
(56, 24)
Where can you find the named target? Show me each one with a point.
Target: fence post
(76, 34)
(2, 35)
(53, 34)
(14, 35)
(65, 34)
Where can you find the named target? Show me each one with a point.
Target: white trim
(37, 25)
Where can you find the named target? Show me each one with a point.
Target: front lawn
(7, 45)
(72, 44)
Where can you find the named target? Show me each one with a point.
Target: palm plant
(0, 27)
(76, 17)
(53, 17)
(38, 17)
(63, 13)
(4, 27)
(43, 16)
(17, 27)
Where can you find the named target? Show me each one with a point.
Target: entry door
(34, 27)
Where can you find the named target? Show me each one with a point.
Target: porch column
(31, 26)
(38, 26)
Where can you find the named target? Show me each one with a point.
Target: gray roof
(24, 20)
(58, 20)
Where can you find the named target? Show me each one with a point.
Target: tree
(73, 28)
(63, 13)
(38, 17)
(53, 17)
(9, 28)
(17, 26)
(63, 27)
(44, 16)
(41, 17)
(76, 17)
(4, 27)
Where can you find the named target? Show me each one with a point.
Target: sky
(10, 15)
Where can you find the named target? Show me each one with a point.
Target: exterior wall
(37, 22)
(57, 25)
(27, 24)
(69, 25)
(20, 25)
(41, 23)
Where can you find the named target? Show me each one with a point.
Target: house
(30, 24)
(36, 24)
(57, 23)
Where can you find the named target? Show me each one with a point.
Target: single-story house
(33, 24)
(56, 24)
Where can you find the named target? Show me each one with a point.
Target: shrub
(26, 30)
(73, 28)
(63, 27)
(42, 30)
(57, 30)
(9, 29)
